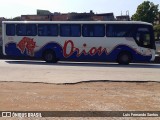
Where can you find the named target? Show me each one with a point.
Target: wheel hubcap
(49, 56)
(125, 58)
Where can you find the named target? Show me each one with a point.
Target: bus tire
(124, 58)
(49, 56)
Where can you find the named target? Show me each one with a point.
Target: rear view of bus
(116, 41)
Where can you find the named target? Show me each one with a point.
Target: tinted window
(70, 30)
(10, 29)
(93, 30)
(119, 30)
(26, 29)
(48, 30)
(143, 36)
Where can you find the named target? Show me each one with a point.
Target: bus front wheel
(124, 58)
(49, 56)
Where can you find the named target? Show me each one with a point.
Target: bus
(114, 41)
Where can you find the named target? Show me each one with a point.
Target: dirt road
(91, 96)
(100, 96)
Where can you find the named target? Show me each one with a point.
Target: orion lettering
(69, 48)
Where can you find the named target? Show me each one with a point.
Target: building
(35, 17)
(59, 17)
(80, 16)
(123, 18)
(43, 12)
(45, 15)
(98, 18)
(104, 17)
(1, 19)
(91, 17)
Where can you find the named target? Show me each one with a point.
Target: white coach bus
(116, 41)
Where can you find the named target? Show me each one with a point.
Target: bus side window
(85, 31)
(21, 29)
(26, 29)
(93, 30)
(119, 30)
(47, 30)
(99, 30)
(75, 30)
(53, 30)
(10, 29)
(31, 30)
(42, 30)
(65, 30)
(70, 30)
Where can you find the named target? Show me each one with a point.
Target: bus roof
(79, 22)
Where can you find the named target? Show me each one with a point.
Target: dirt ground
(89, 96)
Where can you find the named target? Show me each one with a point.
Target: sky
(14, 8)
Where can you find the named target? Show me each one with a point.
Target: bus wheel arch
(49, 56)
(124, 58)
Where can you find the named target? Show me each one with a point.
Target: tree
(17, 19)
(147, 12)
(157, 31)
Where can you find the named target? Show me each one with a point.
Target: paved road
(70, 72)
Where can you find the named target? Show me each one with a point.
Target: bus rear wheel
(49, 56)
(124, 58)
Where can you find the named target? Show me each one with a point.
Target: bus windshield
(144, 37)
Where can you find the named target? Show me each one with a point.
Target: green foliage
(147, 12)
(17, 19)
(157, 28)
(157, 31)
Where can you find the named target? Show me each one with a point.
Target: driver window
(143, 37)
(147, 39)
